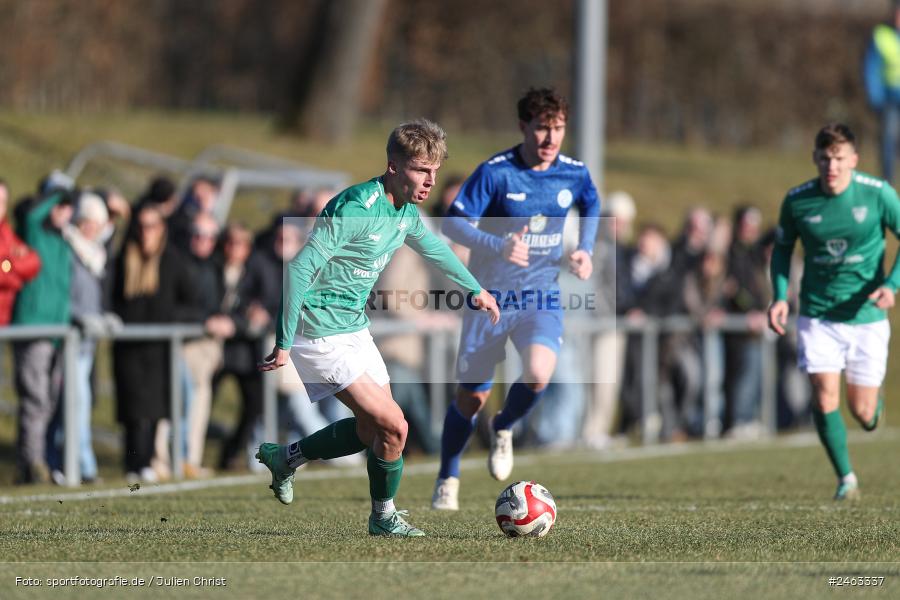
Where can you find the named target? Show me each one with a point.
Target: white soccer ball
(525, 508)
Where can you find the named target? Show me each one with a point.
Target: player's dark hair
(833, 134)
(542, 102)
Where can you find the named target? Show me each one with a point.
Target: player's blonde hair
(422, 139)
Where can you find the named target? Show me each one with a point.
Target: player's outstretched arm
(778, 316)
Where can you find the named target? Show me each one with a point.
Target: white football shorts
(829, 347)
(329, 364)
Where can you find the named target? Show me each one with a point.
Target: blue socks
(457, 430)
(520, 400)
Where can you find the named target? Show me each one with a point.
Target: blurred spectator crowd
(89, 257)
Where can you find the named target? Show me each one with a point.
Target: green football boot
(847, 491)
(393, 525)
(272, 455)
(871, 425)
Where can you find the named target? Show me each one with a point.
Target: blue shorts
(482, 345)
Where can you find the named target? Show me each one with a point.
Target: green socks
(833, 434)
(338, 439)
(384, 481)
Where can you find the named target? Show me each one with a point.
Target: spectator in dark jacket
(250, 302)
(644, 264)
(689, 248)
(748, 294)
(153, 285)
(203, 356)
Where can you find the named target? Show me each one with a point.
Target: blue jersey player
(510, 213)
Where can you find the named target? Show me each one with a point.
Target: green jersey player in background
(840, 218)
(323, 328)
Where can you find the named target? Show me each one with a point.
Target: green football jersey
(327, 284)
(843, 242)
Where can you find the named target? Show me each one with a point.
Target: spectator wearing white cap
(88, 265)
(615, 232)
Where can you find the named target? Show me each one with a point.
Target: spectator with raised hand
(19, 264)
(153, 284)
(201, 197)
(88, 266)
(42, 301)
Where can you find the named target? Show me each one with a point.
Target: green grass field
(680, 520)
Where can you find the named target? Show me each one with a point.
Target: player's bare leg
(380, 425)
(833, 432)
(866, 404)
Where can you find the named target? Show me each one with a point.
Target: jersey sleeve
(785, 238)
(589, 212)
(334, 228)
(890, 219)
(461, 221)
(435, 251)
(475, 195)
(298, 277)
(337, 226)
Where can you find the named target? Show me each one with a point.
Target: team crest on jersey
(860, 212)
(537, 223)
(564, 198)
(836, 247)
(382, 260)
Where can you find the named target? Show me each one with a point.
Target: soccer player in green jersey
(322, 325)
(840, 218)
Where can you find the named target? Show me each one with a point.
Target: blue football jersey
(502, 196)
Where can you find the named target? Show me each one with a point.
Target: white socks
(293, 456)
(383, 507)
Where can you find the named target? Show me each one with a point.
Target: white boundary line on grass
(800, 440)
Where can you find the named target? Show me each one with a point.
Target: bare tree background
(709, 71)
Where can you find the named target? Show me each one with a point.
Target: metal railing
(441, 351)
(581, 331)
(175, 334)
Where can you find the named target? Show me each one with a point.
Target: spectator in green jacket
(43, 301)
